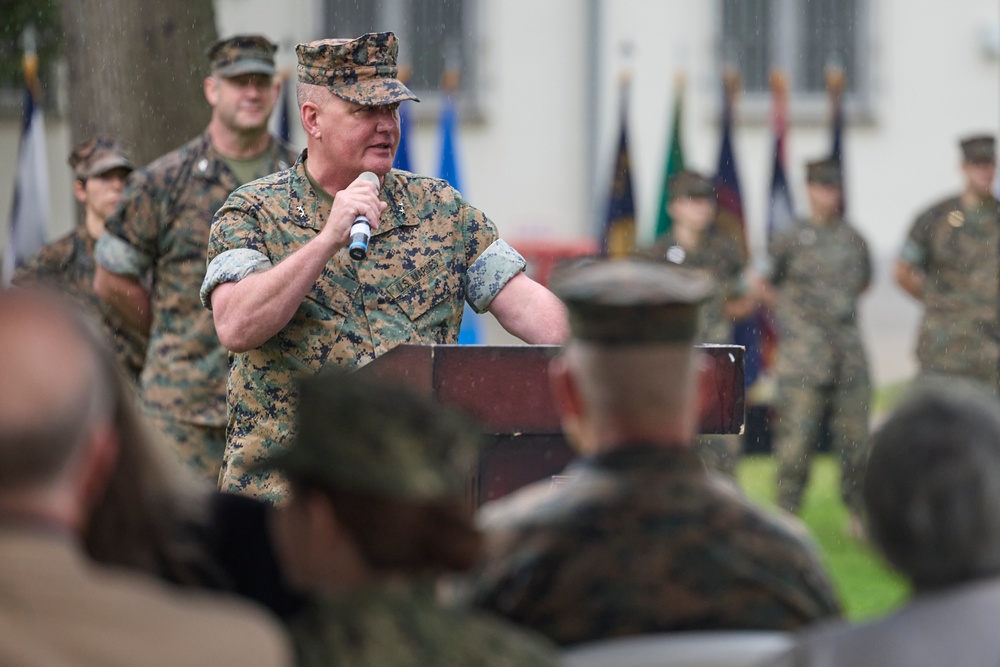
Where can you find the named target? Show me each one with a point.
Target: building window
(435, 36)
(802, 38)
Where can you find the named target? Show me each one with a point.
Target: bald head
(54, 388)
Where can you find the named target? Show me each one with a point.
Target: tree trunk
(136, 69)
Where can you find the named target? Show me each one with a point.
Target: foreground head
(979, 163)
(242, 89)
(823, 185)
(100, 167)
(628, 372)
(932, 487)
(381, 470)
(349, 94)
(57, 438)
(692, 200)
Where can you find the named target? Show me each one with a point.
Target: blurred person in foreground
(59, 443)
(695, 241)
(151, 258)
(819, 270)
(639, 538)
(932, 497)
(156, 516)
(379, 510)
(950, 262)
(286, 294)
(100, 168)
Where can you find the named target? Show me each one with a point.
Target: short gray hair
(310, 92)
(932, 487)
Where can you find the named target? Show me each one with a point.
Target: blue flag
(448, 170)
(29, 218)
(402, 159)
(618, 237)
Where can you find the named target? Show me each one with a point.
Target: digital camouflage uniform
(820, 271)
(161, 228)
(720, 255)
(67, 264)
(643, 540)
(431, 252)
(401, 625)
(389, 443)
(958, 251)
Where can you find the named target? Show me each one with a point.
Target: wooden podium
(506, 389)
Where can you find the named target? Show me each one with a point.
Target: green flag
(675, 163)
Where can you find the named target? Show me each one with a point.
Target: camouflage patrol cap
(242, 54)
(979, 149)
(360, 435)
(362, 70)
(98, 156)
(824, 172)
(631, 301)
(687, 183)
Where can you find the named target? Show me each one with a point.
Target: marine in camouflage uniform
(696, 242)
(951, 263)
(67, 264)
(639, 537)
(161, 231)
(430, 253)
(820, 268)
(410, 466)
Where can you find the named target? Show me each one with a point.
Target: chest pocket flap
(424, 287)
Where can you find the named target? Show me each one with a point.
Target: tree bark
(136, 69)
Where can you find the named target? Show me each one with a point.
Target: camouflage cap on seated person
(362, 70)
(242, 54)
(979, 149)
(824, 172)
(356, 434)
(97, 156)
(691, 184)
(631, 301)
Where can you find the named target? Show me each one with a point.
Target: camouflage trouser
(797, 431)
(720, 453)
(199, 447)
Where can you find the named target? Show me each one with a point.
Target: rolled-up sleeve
(118, 256)
(236, 246)
(229, 267)
(490, 272)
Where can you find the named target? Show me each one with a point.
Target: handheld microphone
(361, 230)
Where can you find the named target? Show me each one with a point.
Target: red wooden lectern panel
(506, 389)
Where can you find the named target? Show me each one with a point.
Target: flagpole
(835, 83)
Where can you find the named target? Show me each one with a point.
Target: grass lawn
(867, 587)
